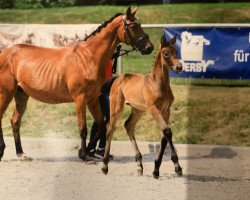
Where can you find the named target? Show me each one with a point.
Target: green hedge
(7, 3)
(26, 4)
(93, 2)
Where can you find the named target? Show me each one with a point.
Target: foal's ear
(164, 42)
(173, 40)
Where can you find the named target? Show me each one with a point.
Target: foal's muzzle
(178, 68)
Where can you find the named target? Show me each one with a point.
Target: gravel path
(210, 172)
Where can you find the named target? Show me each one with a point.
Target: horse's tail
(106, 87)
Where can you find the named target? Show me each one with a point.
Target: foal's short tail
(106, 87)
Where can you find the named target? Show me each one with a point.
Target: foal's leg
(116, 107)
(80, 102)
(130, 127)
(21, 99)
(167, 137)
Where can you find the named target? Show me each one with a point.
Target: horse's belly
(136, 101)
(48, 96)
(138, 106)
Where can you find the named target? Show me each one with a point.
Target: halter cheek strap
(125, 28)
(135, 44)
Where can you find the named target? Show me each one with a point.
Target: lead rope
(119, 52)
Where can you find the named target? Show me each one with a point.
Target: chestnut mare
(150, 93)
(73, 73)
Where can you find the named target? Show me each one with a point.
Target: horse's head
(169, 55)
(131, 33)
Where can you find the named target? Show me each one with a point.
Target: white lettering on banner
(200, 66)
(240, 56)
(192, 52)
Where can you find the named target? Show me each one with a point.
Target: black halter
(138, 44)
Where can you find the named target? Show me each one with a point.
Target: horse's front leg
(80, 102)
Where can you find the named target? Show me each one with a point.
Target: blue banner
(212, 52)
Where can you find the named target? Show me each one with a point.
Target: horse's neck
(104, 43)
(160, 73)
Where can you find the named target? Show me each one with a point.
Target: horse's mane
(102, 26)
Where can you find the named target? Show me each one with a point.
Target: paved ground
(210, 172)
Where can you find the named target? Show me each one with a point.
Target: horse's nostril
(149, 49)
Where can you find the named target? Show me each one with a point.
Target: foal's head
(131, 33)
(169, 55)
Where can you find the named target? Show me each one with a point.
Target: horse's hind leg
(21, 99)
(5, 98)
(116, 107)
(130, 127)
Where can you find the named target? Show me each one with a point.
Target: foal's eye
(166, 54)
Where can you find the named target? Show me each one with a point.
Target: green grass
(199, 115)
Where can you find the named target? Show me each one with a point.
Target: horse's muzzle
(147, 50)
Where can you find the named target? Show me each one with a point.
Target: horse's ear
(164, 42)
(134, 11)
(128, 11)
(173, 40)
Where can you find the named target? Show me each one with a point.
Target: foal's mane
(102, 26)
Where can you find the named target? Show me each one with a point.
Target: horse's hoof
(178, 171)
(24, 157)
(1, 154)
(81, 155)
(105, 170)
(156, 174)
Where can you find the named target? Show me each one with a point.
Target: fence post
(120, 65)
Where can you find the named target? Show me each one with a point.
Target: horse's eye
(166, 54)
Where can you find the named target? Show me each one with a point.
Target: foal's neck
(160, 73)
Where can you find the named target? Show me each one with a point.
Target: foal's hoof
(178, 171)
(105, 170)
(24, 157)
(140, 172)
(156, 174)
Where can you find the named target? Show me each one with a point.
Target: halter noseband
(140, 41)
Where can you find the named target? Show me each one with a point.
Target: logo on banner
(192, 47)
